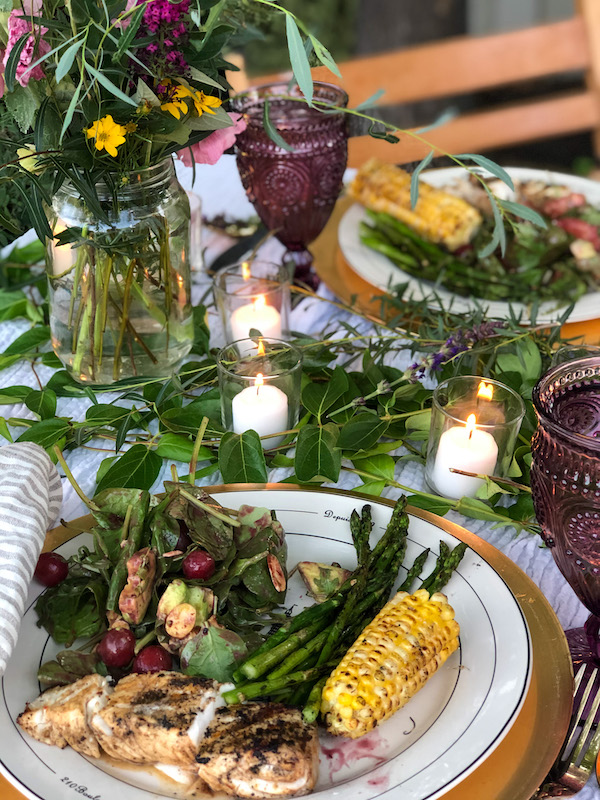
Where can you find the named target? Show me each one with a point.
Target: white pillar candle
(258, 315)
(63, 256)
(466, 448)
(262, 408)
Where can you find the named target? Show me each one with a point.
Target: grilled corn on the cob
(438, 216)
(389, 662)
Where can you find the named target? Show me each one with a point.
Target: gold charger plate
(519, 763)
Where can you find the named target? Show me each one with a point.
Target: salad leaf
(212, 534)
(74, 609)
(68, 667)
(213, 653)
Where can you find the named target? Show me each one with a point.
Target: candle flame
(245, 270)
(261, 348)
(259, 303)
(259, 381)
(471, 420)
(485, 390)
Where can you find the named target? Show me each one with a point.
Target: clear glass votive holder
(474, 426)
(260, 382)
(254, 295)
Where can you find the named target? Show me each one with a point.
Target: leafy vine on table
(359, 414)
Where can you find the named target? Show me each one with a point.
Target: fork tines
(583, 737)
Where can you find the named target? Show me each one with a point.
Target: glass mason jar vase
(120, 301)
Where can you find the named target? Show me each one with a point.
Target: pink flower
(210, 150)
(123, 24)
(35, 46)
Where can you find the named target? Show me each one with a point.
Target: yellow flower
(27, 159)
(205, 102)
(175, 103)
(131, 127)
(107, 133)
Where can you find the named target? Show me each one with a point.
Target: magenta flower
(210, 150)
(35, 46)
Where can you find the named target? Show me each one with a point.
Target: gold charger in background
(515, 769)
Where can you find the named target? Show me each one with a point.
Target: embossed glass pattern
(565, 481)
(293, 191)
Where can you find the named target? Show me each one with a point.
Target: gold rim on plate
(517, 766)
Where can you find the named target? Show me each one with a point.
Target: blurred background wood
(400, 24)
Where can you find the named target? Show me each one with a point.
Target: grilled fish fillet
(157, 717)
(61, 716)
(259, 750)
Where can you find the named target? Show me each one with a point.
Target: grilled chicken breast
(61, 716)
(157, 717)
(259, 750)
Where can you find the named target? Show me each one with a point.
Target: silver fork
(576, 761)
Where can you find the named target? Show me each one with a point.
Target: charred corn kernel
(438, 216)
(389, 662)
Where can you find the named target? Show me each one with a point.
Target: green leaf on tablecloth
(13, 394)
(12, 304)
(419, 422)
(380, 466)
(47, 432)
(319, 397)
(317, 456)
(477, 509)
(180, 448)
(189, 418)
(437, 505)
(138, 468)
(4, 431)
(242, 458)
(28, 341)
(65, 385)
(51, 360)
(490, 489)
(105, 415)
(374, 488)
(42, 403)
(526, 362)
(105, 465)
(362, 432)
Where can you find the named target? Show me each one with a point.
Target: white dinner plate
(380, 272)
(442, 735)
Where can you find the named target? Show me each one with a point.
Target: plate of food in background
(433, 250)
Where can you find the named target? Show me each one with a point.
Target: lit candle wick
(245, 270)
(258, 381)
(471, 420)
(261, 348)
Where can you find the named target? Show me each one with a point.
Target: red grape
(51, 569)
(183, 542)
(152, 658)
(117, 647)
(198, 565)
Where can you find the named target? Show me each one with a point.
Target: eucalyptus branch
(89, 503)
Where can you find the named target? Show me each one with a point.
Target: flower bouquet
(105, 92)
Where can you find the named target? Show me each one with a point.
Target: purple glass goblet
(565, 481)
(293, 191)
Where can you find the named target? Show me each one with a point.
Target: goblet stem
(584, 643)
(303, 268)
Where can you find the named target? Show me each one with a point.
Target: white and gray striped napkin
(30, 501)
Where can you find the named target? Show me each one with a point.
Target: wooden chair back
(469, 64)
